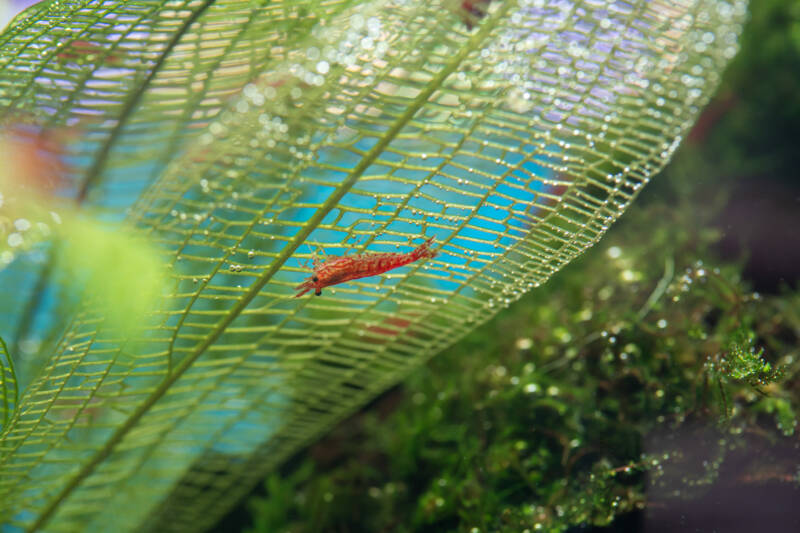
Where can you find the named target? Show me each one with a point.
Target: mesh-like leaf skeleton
(339, 269)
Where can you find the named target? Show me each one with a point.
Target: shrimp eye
(315, 279)
(318, 292)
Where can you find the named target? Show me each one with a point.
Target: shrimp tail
(424, 250)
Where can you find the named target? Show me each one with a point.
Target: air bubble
(22, 224)
(15, 239)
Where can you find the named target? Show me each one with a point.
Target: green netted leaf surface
(253, 133)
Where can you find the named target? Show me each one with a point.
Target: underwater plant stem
(724, 398)
(661, 288)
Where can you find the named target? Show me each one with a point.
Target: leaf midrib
(421, 99)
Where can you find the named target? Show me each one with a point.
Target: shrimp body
(345, 268)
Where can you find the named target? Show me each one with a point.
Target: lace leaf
(245, 138)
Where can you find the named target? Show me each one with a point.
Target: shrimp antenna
(315, 260)
(304, 262)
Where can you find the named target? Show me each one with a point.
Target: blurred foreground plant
(113, 266)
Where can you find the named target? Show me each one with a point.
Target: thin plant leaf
(8, 386)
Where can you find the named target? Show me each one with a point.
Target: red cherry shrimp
(339, 269)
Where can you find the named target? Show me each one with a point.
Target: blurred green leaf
(119, 270)
(122, 271)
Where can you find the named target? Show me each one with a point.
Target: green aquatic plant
(741, 361)
(238, 135)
